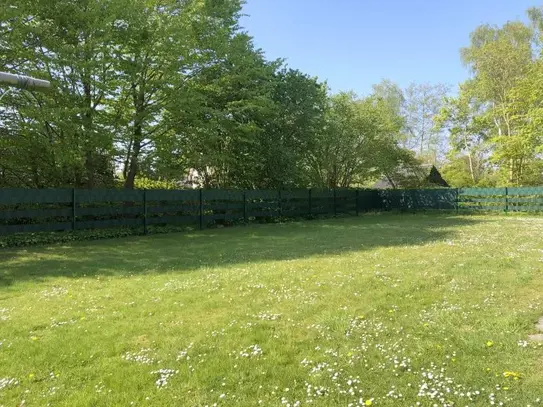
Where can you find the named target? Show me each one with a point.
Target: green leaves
(358, 142)
(494, 123)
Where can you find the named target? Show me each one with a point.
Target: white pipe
(24, 82)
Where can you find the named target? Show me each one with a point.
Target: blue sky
(355, 43)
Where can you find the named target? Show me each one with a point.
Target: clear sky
(355, 43)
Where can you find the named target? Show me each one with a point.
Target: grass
(382, 310)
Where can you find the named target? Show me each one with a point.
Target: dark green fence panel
(222, 195)
(108, 195)
(294, 194)
(108, 223)
(17, 196)
(263, 194)
(419, 199)
(222, 205)
(262, 210)
(173, 195)
(295, 202)
(370, 200)
(221, 217)
(171, 208)
(263, 203)
(26, 210)
(322, 201)
(34, 213)
(528, 199)
(481, 191)
(110, 211)
(482, 199)
(34, 228)
(525, 190)
(436, 199)
(345, 200)
(173, 220)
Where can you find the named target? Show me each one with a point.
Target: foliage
(417, 106)
(467, 125)
(154, 89)
(501, 59)
(147, 183)
(422, 105)
(358, 142)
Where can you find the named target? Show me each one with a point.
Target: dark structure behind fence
(47, 210)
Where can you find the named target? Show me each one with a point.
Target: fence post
(457, 200)
(335, 209)
(506, 199)
(73, 208)
(356, 201)
(310, 203)
(145, 231)
(201, 209)
(245, 206)
(279, 203)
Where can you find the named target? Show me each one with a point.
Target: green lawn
(382, 310)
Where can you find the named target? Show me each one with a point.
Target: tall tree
(391, 94)
(466, 123)
(69, 42)
(170, 42)
(499, 57)
(422, 104)
(358, 142)
(228, 101)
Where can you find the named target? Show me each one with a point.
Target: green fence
(465, 200)
(47, 210)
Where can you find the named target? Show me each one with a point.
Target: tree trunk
(470, 159)
(127, 159)
(87, 128)
(134, 157)
(138, 98)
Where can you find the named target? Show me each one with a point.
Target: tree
(358, 142)
(391, 94)
(68, 41)
(422, 104)
(170, 43)
(292, 130)
(217, 130)
(118, 69)
(499, 57)
(523, 147)
(468, 136)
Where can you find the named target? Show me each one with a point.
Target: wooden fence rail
(46, 210)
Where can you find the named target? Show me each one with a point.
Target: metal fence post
(310, 203)
(356, 201)
(335, 209)
(457, 200)
(506, 199)
(245, 206)
(145, 231)
(279, 203)
(73, 209)
(201, 209)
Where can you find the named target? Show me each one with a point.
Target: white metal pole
(24, 82)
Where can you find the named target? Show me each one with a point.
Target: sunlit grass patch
(386, 310)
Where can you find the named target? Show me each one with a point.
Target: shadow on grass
(256, 243)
